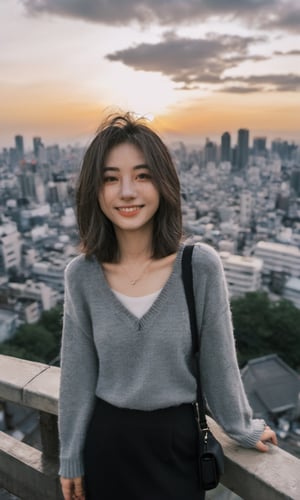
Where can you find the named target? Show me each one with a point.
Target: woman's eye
(144, 176)
(109, 178)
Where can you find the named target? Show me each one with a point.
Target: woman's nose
(127, 188)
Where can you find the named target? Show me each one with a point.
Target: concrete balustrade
(32, 474)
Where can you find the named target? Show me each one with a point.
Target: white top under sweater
(137, 305)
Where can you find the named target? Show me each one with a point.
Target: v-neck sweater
(147, 363)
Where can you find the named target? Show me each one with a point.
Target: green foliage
(262, 327)
(39, 341)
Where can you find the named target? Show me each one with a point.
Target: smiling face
(128, 196)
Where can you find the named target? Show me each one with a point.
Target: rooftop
(242, 261)
(293, 284)
(271, 385)
(278, 248)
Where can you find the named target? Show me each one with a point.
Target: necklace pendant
(133, 282)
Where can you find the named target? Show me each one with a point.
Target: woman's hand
(73, 489)
(267, 435)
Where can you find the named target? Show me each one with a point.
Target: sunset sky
(197, 67)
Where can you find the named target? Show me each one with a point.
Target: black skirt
(141, 455)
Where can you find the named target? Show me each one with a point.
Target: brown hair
(96, 231)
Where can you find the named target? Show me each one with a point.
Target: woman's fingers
(72, 488)
(79, 488)
(269, 436)
(67, 487)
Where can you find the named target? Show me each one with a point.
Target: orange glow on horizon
(62, 116)
(261, 114)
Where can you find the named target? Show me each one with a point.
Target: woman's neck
(135, 248)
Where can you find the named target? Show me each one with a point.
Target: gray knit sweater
(146, 363)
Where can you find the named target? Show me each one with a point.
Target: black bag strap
(187, 278)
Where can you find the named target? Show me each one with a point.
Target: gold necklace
(133, 281)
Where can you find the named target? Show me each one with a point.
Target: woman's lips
(129, 211)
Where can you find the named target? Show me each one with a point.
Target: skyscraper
(226, 147)
(37, 143)
(259, 145)
(210, 151)
(295, 180)
(243, 148)
(19, 142)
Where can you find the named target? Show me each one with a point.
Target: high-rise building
(10, 247)
(295, 180)
(13, 156)
(210, 151)
(283, 149)
(27, 182)
(234, 152)
(37, 143)
(259, 145)
(19, 142)
(246, 208)
(226, 147)
(243, 148)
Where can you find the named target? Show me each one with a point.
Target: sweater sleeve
(79, 371)
(220, 375)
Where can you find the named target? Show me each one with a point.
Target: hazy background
(198, 67)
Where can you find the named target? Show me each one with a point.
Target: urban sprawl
(244, 200)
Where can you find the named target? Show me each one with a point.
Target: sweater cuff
(71, 468)
(250, 440)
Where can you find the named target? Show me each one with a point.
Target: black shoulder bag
(211, 457)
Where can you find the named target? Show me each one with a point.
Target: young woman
(126, 420)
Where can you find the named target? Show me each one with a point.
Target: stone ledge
(15, 374)
(253, 475)
(29, 383)
(248, 473)
(26, 472)
(42, 392)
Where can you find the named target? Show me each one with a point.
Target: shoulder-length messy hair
(97, 235)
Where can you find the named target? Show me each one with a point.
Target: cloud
(164, 12)
(269, 82)
(241, 90)
(286, 17)
(289, 53)
(192, 63)
(189, 61)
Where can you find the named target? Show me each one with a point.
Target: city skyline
(196, 68)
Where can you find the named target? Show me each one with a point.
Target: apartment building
(46, 296)
(10, 247)
(291, 291)
(51, 273)
(243, 274)
(278, 258)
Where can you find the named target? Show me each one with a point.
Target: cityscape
(219, 81)
(243, 199)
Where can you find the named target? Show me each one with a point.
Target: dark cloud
(241, 90)
(192, 63)
(165, 12)
(286, 17)
(269, 82)
(189, 61)
(289, 53)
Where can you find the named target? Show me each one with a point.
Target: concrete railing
(32, 474)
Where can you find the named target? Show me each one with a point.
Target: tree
(262, 327)
(39, 341)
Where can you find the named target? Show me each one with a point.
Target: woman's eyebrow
(136, 167)
(106, 169)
